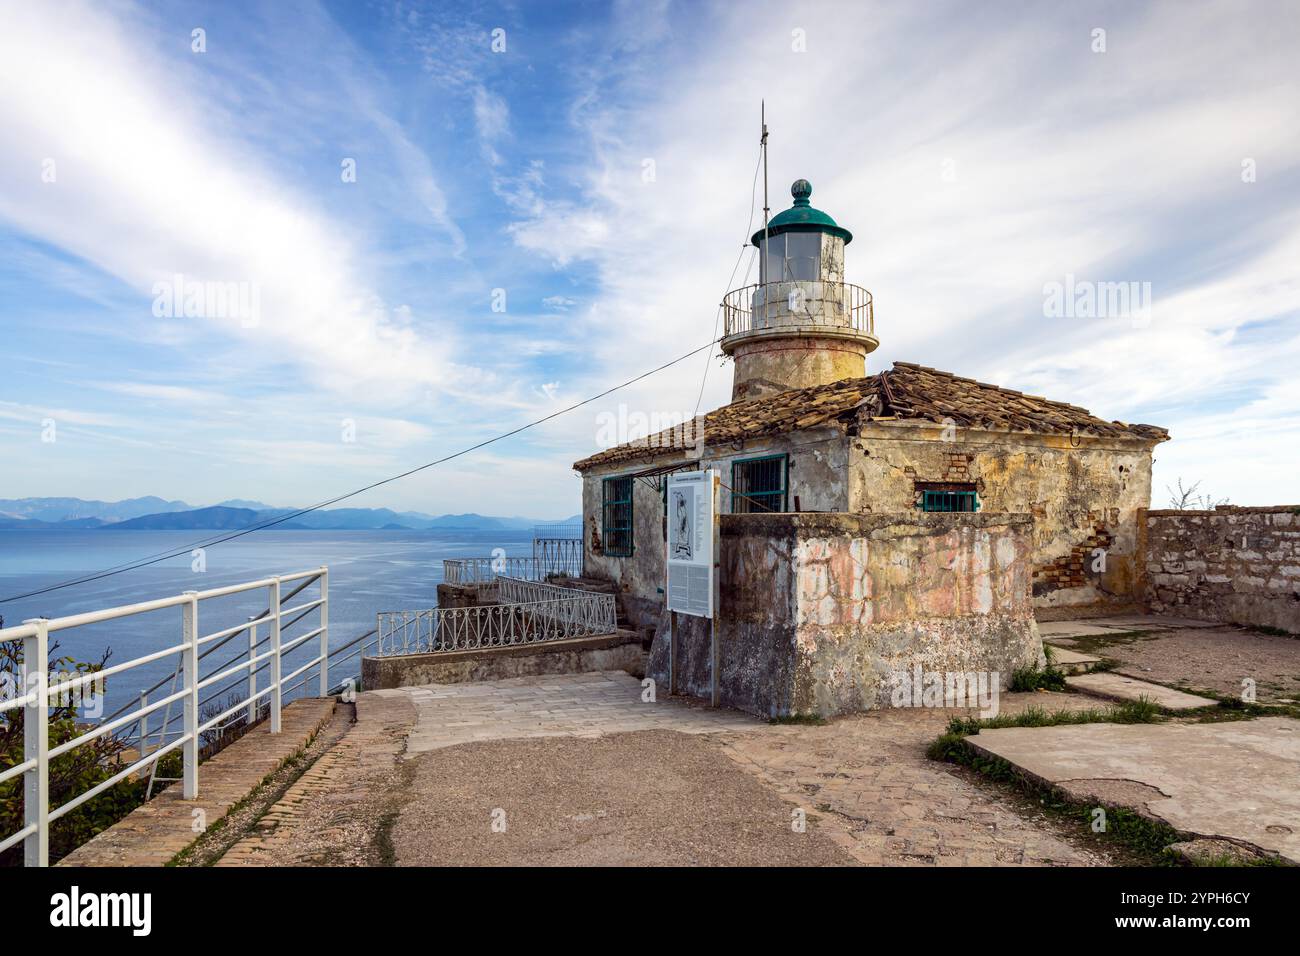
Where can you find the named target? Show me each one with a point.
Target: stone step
(1073, 662)
(1056, 630)
(1119, 687)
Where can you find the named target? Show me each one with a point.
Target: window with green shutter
(948, 497)
(759, 484)
(616, 530)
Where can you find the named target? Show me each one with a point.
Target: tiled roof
(905, 392)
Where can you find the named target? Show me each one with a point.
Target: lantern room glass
(790, 256)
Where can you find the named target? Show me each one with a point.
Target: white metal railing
(485, 570)
(520, 591)
(533, 613)
(798, 303)
(550, 556)
(36, 691)
(255, 709)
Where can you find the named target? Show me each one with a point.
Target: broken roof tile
(907, 392)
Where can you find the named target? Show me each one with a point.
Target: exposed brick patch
(957, 466)
(1072, 570)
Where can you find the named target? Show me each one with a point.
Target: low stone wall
(821, 612)
(614, 652)
(1234, 564)
(466, 595)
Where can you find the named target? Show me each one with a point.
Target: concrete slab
(1073, 662)
(552, 705)
(1068, 629)
(1119, 687)
(1146, 622)
(1235, 780)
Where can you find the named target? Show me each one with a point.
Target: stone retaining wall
(466, 595)
(619, 651)
(1231, 564)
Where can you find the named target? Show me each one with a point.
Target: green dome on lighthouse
(802, 217)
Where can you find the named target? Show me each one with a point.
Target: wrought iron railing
(558, 555)
(564, 530)
(535, 613)
(774, 306)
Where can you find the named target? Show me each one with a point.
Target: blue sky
(592, 181)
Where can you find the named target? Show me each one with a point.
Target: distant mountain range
(69, 509)
(157, 514)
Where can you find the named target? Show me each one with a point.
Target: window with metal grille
(949, 500)
(616, 530)
(759, 484)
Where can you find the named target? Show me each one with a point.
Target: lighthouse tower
(802, 324)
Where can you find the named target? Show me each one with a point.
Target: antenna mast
(762, 263)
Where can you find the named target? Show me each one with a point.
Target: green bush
(71, 774)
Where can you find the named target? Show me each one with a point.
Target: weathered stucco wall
(1085, 495)
(768, 366)
(1230, 564)
(818, 468)
(819, 612)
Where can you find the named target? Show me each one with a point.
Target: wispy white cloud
(145, 189)
(36, 414)
(492, 118)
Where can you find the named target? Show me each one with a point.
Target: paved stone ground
(152, 834)
(894, 807)
(583, 771)
(1192, 654)
(339, 811)
(644, 798)
(554, 705)
(1239, 779)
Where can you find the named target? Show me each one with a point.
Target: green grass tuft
(1025, 679)
(811, 719)
(1141, 711)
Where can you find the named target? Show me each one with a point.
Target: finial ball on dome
(801, 189)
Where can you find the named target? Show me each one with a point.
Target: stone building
(920, 467)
